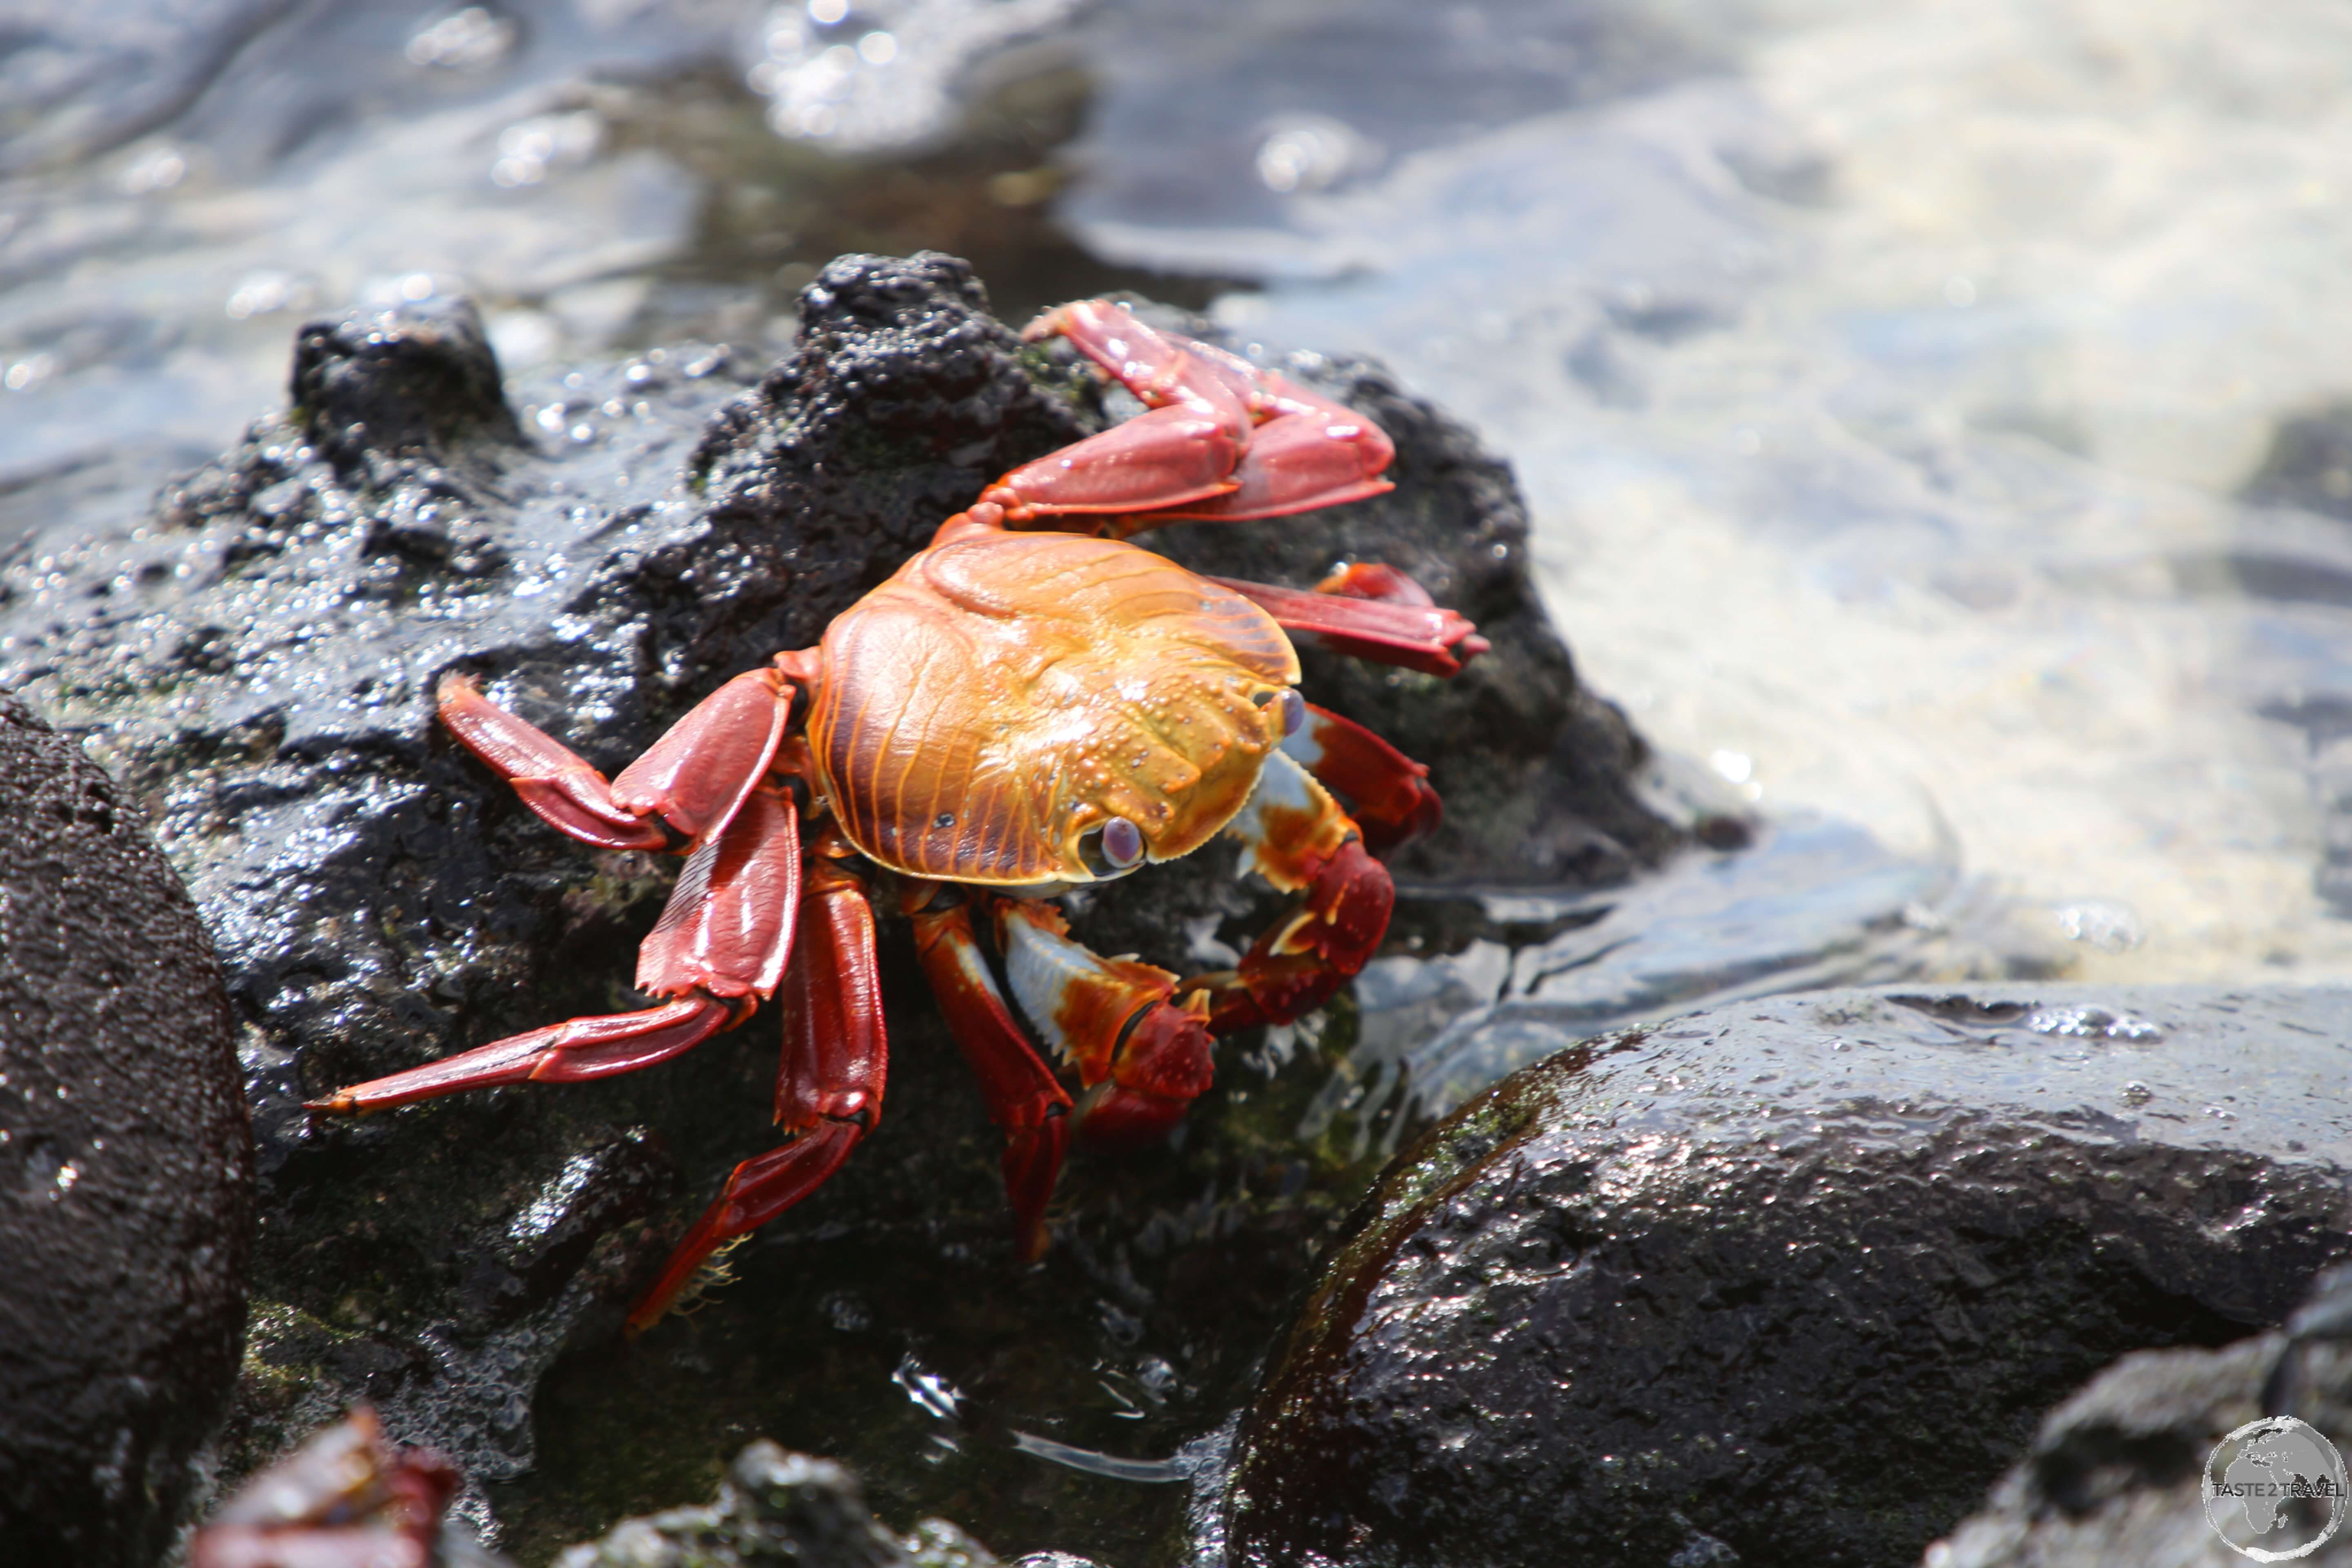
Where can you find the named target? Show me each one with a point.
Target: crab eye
(1117, 846)
(1294, 712)
(1294, 708)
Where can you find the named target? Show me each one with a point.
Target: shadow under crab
(258, 666)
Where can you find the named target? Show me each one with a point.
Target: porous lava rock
(126, 1179)
(2115, 1477)
(600, 548)
(1789, 1281)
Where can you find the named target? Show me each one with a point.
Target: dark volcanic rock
(1791, 1279)
(126, 1179)
(2115, 1477)
(257, 664)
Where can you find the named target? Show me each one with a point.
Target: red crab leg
(1143, 1057)
(1024, 1098)
(1186, 452)
(1299, 838)
(1374, 579)
(1321, 455)
(1418, 637)
(829, 1083)
(1305, 451)
(718, 951)
(1185, 449)
(693, 778)
(1386, 792)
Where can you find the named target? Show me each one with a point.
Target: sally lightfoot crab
(1028, 705)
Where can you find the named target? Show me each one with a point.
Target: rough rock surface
(780, 1507)
(258, 662)
(2115, 1477)
(126, 1180)
(1789, 1282)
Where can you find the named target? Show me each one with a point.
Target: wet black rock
(601, 548)
(126, 1181)
(1789, 1282)
(2115, 1475)
(780, 1507)
(374, 386)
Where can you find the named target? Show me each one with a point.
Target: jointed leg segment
(829, 1081)
(716, 953)
(1024, 1097)
(689, 782)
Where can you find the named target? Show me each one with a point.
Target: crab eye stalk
(1294, 708)
(1115, 847)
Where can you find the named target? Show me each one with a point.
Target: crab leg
(692, 779)
(1186, 452)
(1322, 455)
(718, 951)
(1384, 631)
(1142, 1056)
(1386, 791)
(829, 1082)
(1196, 455)
(1295, 967)
(1024, 1098)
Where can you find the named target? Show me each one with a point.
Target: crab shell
(1002, 697)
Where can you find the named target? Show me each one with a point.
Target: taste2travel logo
(2274, 1489)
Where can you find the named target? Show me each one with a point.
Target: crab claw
(1165, 1062)
(1294, 968)
(1387, 793)
(1143, 1055)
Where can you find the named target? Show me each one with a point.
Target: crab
(1031, 704)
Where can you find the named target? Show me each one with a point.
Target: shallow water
(1887, 380)
(1883, 386)
(1882, 377)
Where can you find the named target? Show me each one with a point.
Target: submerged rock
(780, 1507)
(257, 663)
(2117, 1476)
(1789, 1281)
(126, 1181)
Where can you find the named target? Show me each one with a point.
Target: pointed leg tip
(339, 1103)
(1049, 323)
(655, 1304)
